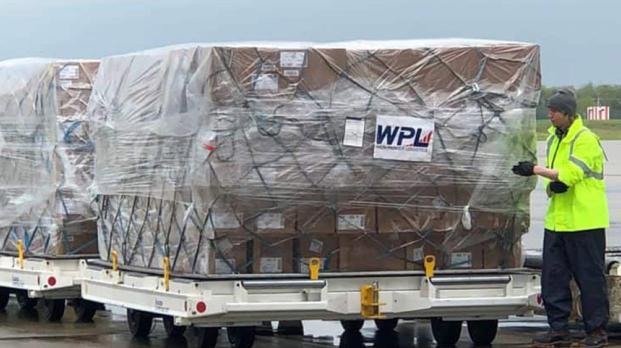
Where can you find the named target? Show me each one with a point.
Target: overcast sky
(580, 40)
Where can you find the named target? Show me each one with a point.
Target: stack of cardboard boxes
(282, 160)
(47, 157)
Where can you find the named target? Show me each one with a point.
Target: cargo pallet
(199, 307)
(47, 282)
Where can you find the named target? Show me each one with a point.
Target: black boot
(596, 339)
(552, 339)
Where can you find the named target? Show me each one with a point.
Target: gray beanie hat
(564, 100)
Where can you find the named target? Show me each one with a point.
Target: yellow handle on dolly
(430, 265)
(166, 262)
(369, 301)
(20, 253)
(313, 267)
(115, 260)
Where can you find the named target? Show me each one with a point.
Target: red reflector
(539, 299)
(51, 281)
(201, 307)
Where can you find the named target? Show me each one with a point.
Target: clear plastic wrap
(47, 157)
(254, 157)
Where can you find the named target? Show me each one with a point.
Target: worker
(574, 238)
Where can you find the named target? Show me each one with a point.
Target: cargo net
(46, 158)
(256, 159)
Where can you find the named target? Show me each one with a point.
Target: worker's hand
(524, 168)
(558, 187)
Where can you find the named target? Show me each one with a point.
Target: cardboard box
(231, 254)
(316, 220)
(273, 254)
(325, 247)
(371, 253)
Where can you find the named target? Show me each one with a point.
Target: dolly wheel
(386, 324)
(84, 310)
(172, 330)
(446, 333)
(52, 310)
(25, 302)
(241, 336)
(201, 337)
(139, 323)
(4, 298)
(482, 332)
(352, 325)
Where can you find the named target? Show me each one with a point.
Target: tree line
(587, 95)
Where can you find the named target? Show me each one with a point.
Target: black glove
(524, 168)
(558, 187)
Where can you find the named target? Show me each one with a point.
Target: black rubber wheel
(201, 337)
(482, 332)
(25, 302)
(290, 328)
(386, 324)
(446, 333)
(52, 310)
(139, 323)
(352, 325)
(4, 298)
(84, 310)
(172, 330)
(241, 336)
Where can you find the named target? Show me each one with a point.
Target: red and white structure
(598, 113)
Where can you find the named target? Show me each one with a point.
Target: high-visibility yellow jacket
(579, 159)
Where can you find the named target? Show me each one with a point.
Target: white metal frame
(32, 274)
(232, 302)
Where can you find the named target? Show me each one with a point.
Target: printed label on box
(403, 138)
(316, 246)
(461, 260)
(69, 72)
(271, 221)
(266, 82)
(351, 222)
(416, 254)
(291, 73)
(354, 132)
(268, 67)
(271, 265)
(225, 220)
(225, 266)
(66, 84)
(293, 59)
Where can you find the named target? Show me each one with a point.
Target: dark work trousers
(579, 255)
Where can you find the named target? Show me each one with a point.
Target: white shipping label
(268, 67)
(225, 220)
(415, 255)
(316, 246)
(271, 221)
(461, 260)
(225, 266)
(403, 138)
(266, 82)
(291, 73)
(271, 265)
(354, 132)
(292, 59)
(69, 72)
(66, 84)
(351, 222)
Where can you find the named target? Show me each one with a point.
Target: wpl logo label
(403, 138)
